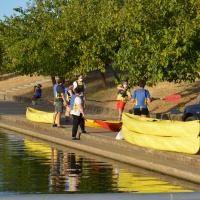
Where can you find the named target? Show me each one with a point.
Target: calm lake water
(27, 166)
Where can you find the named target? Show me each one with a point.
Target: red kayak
(111, 125)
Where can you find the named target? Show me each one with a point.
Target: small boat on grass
(158, 134)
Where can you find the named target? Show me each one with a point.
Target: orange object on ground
(111, 125)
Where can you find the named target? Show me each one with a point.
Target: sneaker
(74, 138)
(83, 132)
(34, 103)
(79, 136)
(54, 125)
(60, 127)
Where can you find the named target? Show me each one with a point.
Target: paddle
(170, 98)
(111, 100)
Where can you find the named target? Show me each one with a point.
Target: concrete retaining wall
(125, 196)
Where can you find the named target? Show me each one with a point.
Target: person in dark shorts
(59, 102)
(141, 99)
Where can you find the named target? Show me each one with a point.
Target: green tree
(154, 40)
(89, 26)
(159, 40)
(29, 40)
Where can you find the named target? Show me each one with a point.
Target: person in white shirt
(77, 112)
(80, 84)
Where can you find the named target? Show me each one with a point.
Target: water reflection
(33, 167)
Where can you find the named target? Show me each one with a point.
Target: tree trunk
(103, 78)
(53, 79)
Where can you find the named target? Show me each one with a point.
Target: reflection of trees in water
(20, 172)
(96, 177)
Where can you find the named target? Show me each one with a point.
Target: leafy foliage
(153, 40)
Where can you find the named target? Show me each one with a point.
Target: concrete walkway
(100, 142)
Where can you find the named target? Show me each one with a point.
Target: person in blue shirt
(141, 99)
(68, 95)
(54, 89)
(59, 102)
(38, 94)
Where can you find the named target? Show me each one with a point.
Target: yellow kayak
(39, 116)
(165, 135)
(151, 126)
(92, 123)
(47, 117)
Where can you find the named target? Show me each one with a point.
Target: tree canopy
(152, 40)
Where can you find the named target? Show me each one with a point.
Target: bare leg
(58, 118)
(67, 114)
(120, 114)
(54, 117)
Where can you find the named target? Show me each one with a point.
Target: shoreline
(103, 143)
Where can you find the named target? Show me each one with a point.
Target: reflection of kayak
(133, 181)
(111, 125)
(161, 134)
(38, 149)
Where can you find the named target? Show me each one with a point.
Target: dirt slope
(97, 94)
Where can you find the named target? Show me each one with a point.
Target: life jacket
(58, 95)
(54, 89)
(72, 99)
(80, 85)
(122, 93)
(141, 98)
(67, 94)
